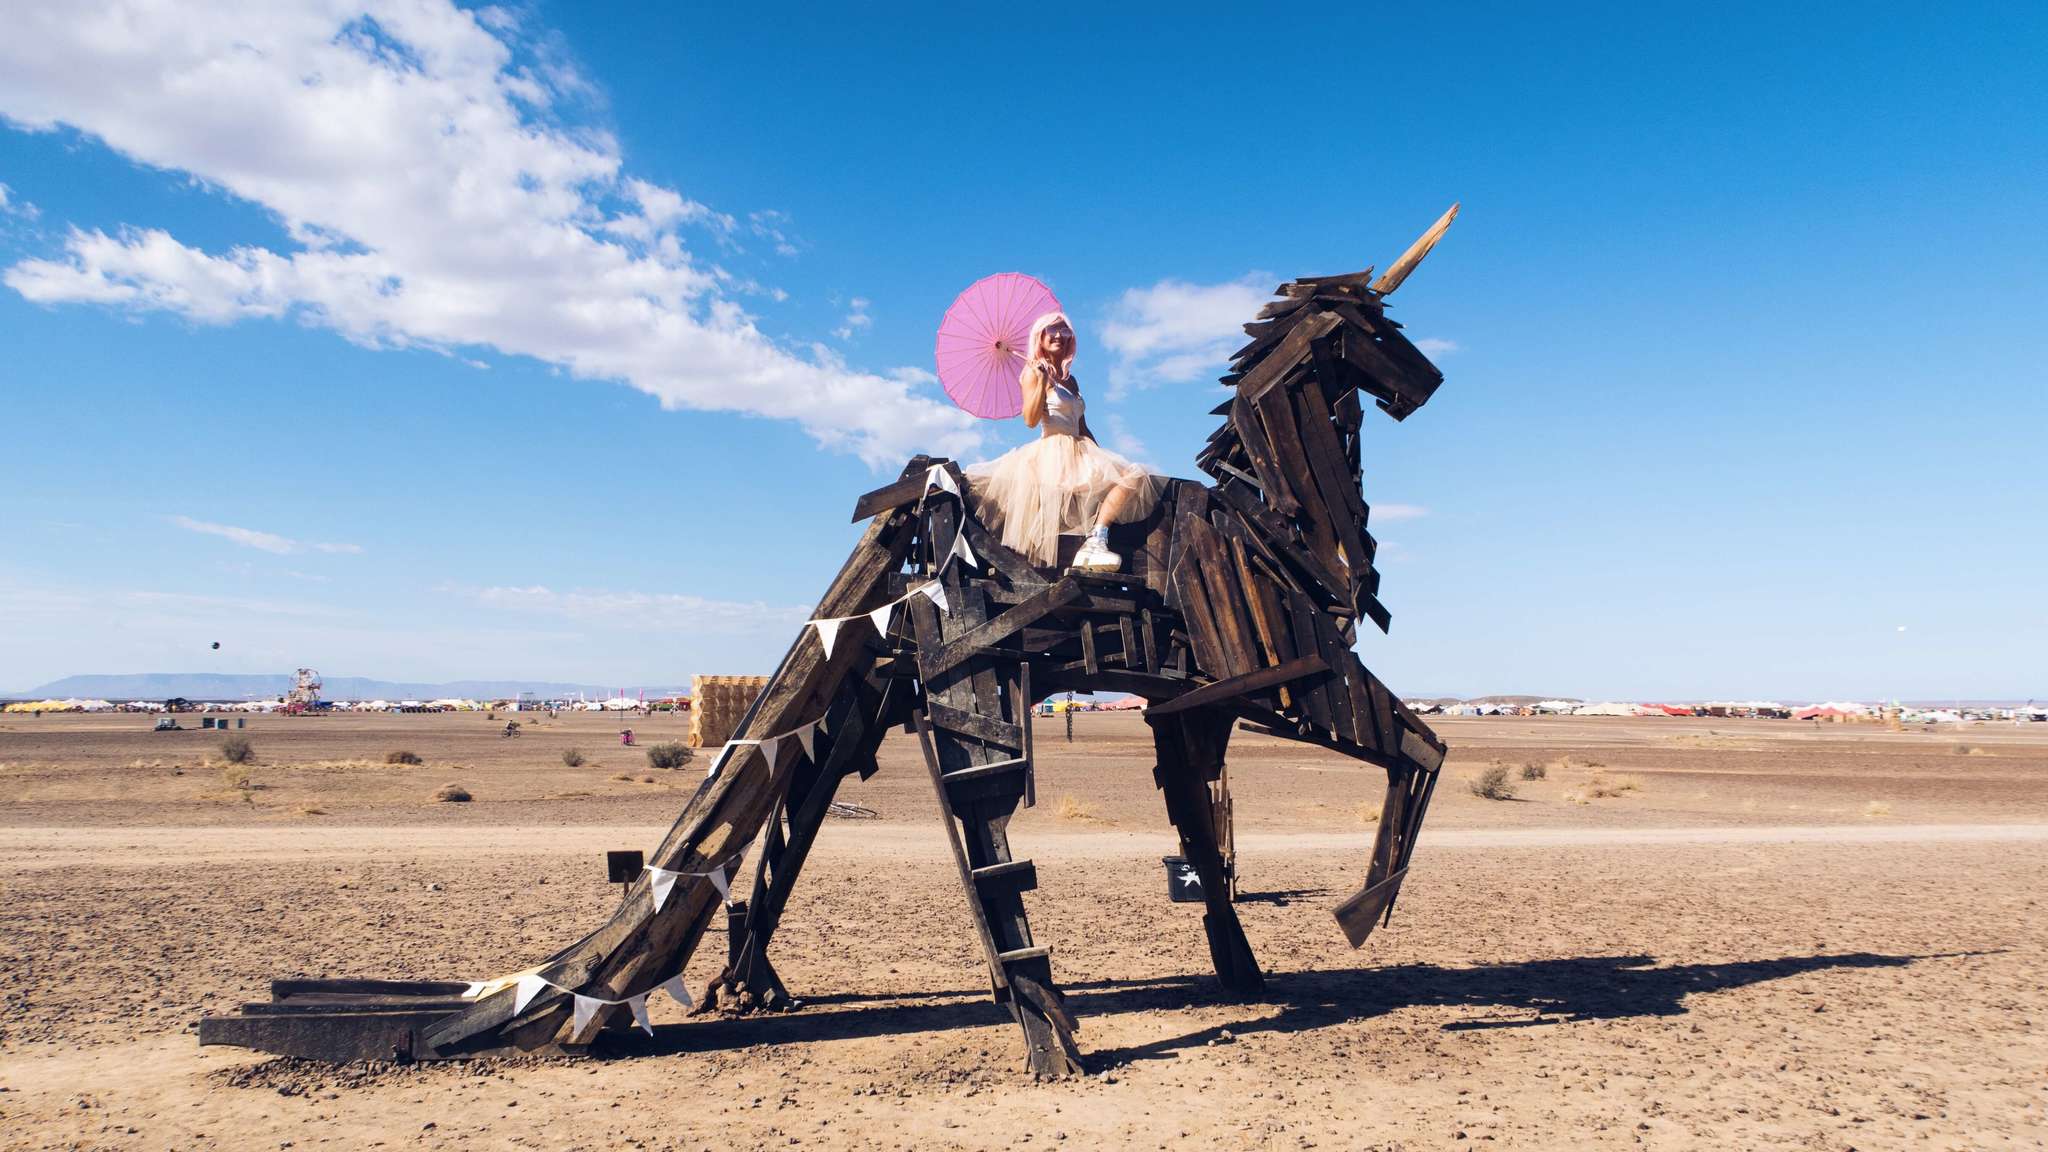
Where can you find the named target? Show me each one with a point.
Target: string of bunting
(828, 635)
(530, 984)
(662, 881)
(828, 626)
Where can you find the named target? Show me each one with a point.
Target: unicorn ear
(1386, 284)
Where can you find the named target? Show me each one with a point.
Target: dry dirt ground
(1688, 934)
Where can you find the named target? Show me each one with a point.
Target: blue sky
(556, 341)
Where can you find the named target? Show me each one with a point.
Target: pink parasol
(981, 342)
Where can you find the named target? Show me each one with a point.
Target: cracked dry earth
(1778, 937)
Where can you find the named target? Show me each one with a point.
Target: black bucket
(1183, 883)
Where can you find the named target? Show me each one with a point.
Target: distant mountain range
(225, 686)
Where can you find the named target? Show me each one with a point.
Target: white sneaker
(1095, 557)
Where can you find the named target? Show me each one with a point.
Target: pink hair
(1038, 327)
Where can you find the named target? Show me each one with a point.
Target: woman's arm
(1034, 396)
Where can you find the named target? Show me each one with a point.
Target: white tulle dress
(1055, 485)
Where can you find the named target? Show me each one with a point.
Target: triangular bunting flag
(937, 477)
(674, 987)
(961, 549)
(529, 986)
(719, 882)
(936, 593)
(769, 747)
(881, 617)
(660, 881)
(807, 738)
(828, 631)
(639, 1006)
(586, 1007)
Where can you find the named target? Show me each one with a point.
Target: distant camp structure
(1241, 602)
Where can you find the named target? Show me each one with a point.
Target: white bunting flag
(769, 747)
(807, 739)
(661, 881)
(961, 549)
(828, 631)
(639, 1006)
(881, 617)
(529, 986)
(474, 990)
(674, 987)
(937, 477)
(586, 1007)
(936, 593)
(723, 885)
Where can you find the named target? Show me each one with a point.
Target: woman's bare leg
(1112, 504)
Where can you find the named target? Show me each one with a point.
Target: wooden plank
(1273, 481)
(1332, 588)
(1012, 565)
(1226, 603)
(1382, 711)
(908, 490)
(1127, 636)
(1286, 355)
(971, 642)
(1278, 412)
(1089, 663)
(974, 724)
(1257, 681)
(1340, 492)
(1314, 701)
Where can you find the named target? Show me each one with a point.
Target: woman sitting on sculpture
(1064, 483)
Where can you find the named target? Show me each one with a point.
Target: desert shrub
(1877, 808)
(626, 776)
(669, 755)
(452, 794)
(1492, 784)
(1075, 808)
(237, 777)
(572, 757)
(1369, 811)
(1534, 771)
(236, 749)
(403, 757)
(1603, 787)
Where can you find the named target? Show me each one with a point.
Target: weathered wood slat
(975, 640)
(1297, 669)
(976, 725)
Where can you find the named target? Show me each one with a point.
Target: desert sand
(1687, 934)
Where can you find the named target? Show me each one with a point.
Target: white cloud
(772, 226)
(262, 541)
(421, 159)
(1175, 332)
(1431, 346)
(1124, 442)
(663, 611)
(857, 318)
(1385, 513)
(12, 205)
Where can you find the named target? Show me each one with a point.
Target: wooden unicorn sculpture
(1240, 603)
